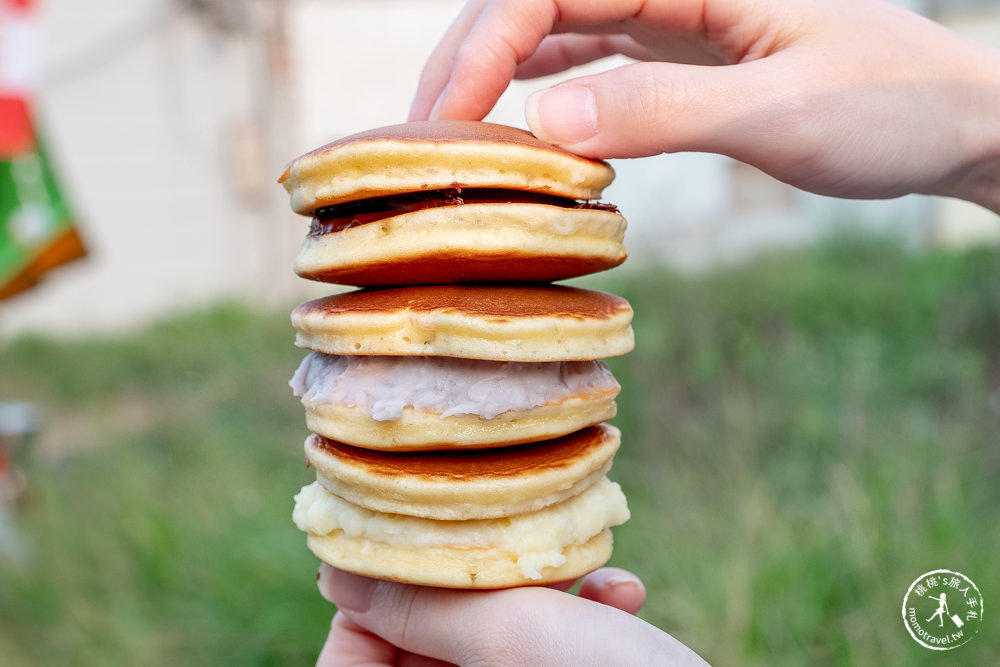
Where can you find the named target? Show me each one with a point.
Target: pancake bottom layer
(506, 242)
(419, 430)
(451, 567)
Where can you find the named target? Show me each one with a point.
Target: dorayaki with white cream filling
(545, 516)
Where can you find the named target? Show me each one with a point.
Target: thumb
(650, 108)
(520, 626)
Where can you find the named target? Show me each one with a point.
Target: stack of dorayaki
(457, 399)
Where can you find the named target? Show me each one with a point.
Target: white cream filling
(538, 539)
(385, 386)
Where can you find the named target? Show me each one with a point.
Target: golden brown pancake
(467, 484)
(445, 566)
(503, 242)
(501, 322)
(451, 202)
(421, 430)
(432, 155)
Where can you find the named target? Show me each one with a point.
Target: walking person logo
(942, 610)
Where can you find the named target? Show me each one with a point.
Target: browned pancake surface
(447, 132)
(464, 267)
(456, 465)
(488, 301)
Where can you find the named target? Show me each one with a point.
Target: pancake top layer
(497, 302)
(433, 155)
(448, 131)
(594, 445)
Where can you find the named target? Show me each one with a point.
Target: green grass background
(802, 438)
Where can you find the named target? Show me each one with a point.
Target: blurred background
(811, 416)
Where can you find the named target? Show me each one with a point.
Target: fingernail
(348, 591)
(562, 115)
(624, 580)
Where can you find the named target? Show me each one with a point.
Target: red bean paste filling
(351, 214)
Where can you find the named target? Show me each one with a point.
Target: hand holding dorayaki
(853, 99)
(457, 401)
(856, 98)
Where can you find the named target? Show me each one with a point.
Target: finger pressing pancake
(559, 542)
(413, 403)
(467, 484)
(431, 155)
(500, 322)
(472, 242)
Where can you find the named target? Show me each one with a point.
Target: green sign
(36, 228)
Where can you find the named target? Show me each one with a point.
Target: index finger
(478, 56)
(434, 76)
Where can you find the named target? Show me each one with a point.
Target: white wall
(170, 134)
(148, 116)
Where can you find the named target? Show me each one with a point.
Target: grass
(803, 437)
(161, 515)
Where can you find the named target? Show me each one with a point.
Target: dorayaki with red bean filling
(452, 202)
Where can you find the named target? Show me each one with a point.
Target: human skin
(855, 98)
(385, 623)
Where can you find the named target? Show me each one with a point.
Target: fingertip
(426, 106)
(460, 103)
(614, 587)
(429, 90)
(613, 575)
(434, 113)
(419, 110)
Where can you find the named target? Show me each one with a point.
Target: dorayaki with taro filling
(459, 366)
